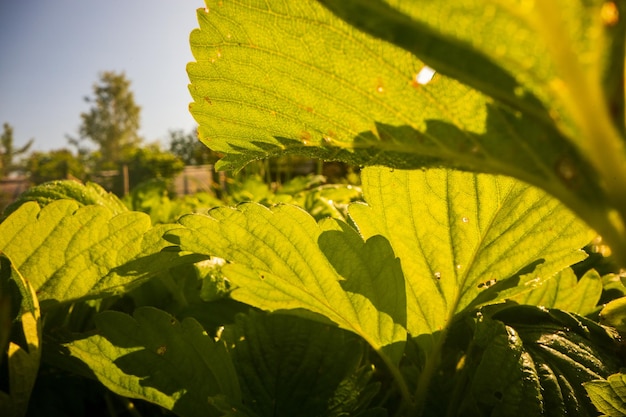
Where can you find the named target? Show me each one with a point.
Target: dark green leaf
(154, 357)
(526, 361)
(290, 366)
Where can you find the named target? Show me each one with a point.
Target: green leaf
(565, 292)
(84, 194)
(609, 395)
(614, 314)
(24, 349)
(289, 366)
(278, 262)
(70, 252)
(567, 351)
(528, 361)
(544, 82)
(466, 239)
(154, 357)
(519, 53)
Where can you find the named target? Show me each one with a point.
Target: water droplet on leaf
(566, 169)
(425, 75)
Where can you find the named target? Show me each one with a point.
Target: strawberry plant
(491, 137)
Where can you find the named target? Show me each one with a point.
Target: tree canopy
(113, 120)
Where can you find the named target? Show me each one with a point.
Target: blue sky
(51, 53)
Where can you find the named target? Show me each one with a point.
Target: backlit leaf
(466, 239)
(614, 314)
(609, 395)
(278, 263)
(84, 194)
(565, 292)
(541, 102)
(70, 252)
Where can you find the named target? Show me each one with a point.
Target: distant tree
(54, 165)
(189, 149)
(8, 151)
(152, 162)
(113, 120)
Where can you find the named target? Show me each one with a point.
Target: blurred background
(97, 92)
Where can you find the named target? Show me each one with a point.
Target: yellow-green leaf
(466, 239)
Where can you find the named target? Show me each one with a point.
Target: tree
(113, 120)
(189, 148)
(8, 152)
(54, 165)
(151, 162)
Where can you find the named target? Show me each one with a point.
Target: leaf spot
(161, 350)
(609, 14)
(487, 284)
(465, 220)
(565, 169)
(437, 275)
(425, 75)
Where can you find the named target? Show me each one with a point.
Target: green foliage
(276, 355)
(112, 122)
(543, 106)
(567, 292)
(150, 162)
(525, 360)
(456, 257)
(189, 149)
(443, 292)
(70, 252)
(54, 165)
(193, 368)
(609, 395)
(88, 194)
(21, 339)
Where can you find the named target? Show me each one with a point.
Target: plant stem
(397, 376)
(582, 94)
(433, 360)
